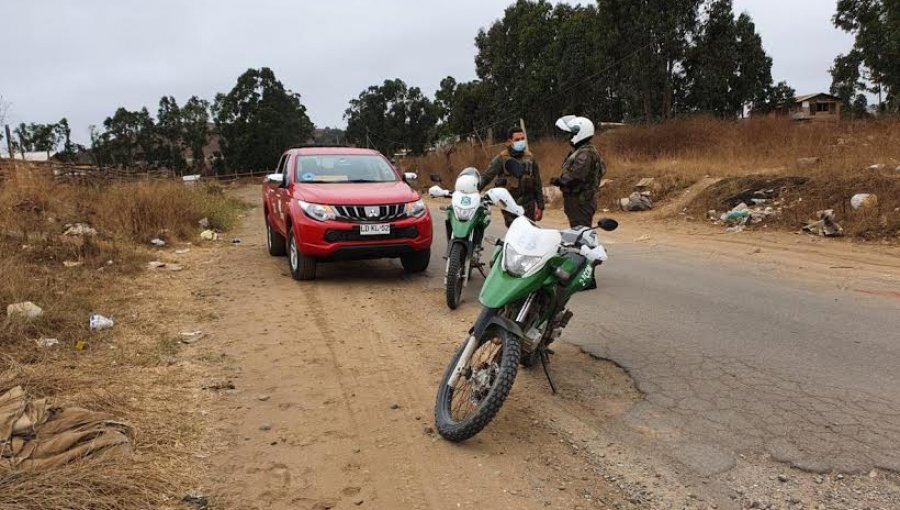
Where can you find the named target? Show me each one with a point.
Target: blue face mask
(519, 146)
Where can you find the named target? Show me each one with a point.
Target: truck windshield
(344, 168)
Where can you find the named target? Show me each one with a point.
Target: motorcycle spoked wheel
(455, 275)
(482, 388)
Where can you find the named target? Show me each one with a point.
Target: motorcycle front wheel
(455, 272)
(482, 387)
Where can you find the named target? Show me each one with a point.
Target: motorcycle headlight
(517, 264)
(317, 212)
(463, 213)
(416, 209)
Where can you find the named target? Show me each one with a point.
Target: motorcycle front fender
(491, 316)
(501, 288)
(462, 229)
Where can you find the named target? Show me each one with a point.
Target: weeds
(123, 371)
(682, 152)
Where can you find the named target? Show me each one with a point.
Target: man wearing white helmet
(581, 172)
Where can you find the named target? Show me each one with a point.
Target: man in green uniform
(581, 172)
(517, 166)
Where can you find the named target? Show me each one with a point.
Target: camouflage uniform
(579, 182)
(527, 190)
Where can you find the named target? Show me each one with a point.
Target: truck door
(278, 197)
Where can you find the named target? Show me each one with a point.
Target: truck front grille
(373, 213)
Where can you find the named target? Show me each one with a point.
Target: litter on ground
(36, 436)
(98, 322)
(24, 310)
(825, 225)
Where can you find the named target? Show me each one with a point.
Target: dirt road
(334, 382)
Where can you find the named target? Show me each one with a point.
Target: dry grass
(125, 371)
(683, 152)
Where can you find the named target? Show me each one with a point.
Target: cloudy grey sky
(81, 60)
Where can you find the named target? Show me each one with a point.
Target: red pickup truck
(337, 203)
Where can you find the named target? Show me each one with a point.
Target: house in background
(818, 107)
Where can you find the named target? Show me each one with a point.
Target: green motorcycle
(468, 218)
(524, 300)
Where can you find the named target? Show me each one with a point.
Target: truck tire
(417, 261)
(302, 266)
(274, 241)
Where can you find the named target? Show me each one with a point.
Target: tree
(170, 134)
(776, 95)
(471, 108)
(516, 64)
(128, 138)
(391, 116)
(258, 119)
(69, 148)
(726, 68)
(195, 122)
(36, 137)
(443, 106)
(182, 130)
(846, 80)
(875, 56)
(648, 40)
(753, 81)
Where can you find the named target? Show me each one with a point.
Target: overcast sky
(82, 60)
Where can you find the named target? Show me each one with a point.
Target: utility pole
(9, 143)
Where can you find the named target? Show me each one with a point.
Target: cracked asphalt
(735, 361)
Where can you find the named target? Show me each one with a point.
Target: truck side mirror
(275, 179)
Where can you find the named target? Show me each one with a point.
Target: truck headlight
(416, 209)
(517, 264)
(317, 212)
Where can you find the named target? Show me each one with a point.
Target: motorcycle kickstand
(545, 362)
(480, 268)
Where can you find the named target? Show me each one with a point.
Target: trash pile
(640, 199)
(765, 204)
(637, 201)
(824, 225)
(35, 436)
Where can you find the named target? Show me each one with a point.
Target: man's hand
(538, 213)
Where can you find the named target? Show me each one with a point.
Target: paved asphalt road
(735, 361)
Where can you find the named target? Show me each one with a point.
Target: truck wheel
(274, 241)
(417, 261)
(302, 267)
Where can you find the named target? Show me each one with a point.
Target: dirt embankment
(826, 163)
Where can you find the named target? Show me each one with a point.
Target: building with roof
(818, 107)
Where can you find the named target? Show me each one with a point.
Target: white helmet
(581, 127)
(468, 181)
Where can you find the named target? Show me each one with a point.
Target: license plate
(376, 229)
